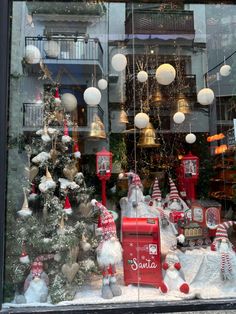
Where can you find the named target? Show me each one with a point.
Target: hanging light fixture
(97, 130)
(148, 137)
(182, 103)
(123, 116)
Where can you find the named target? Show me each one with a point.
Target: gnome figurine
(173, 278)
(156, 195)
(222, 245)
(174, 202)
(36, 284)
(109, 251)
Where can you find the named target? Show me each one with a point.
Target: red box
(176, 216)
(141, 251)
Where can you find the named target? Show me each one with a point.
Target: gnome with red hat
(109, 251)
(175, 202)
(222, 245)
(36, 284)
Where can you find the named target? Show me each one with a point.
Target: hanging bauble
(190, 138)
(92, 96)
(102, 84)
(24, 258)
(141, 120)
(165, 74)
(69, 102)
(119, 62)
(52, 49)
(179, 117)
(142, 76)
(32, 54)
(205, 96)
(225, 70)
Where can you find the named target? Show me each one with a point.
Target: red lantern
(103, 169)
(190, 164)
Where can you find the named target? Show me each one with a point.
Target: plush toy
(109, 251)
(174, 203)
(222, 245)
(36, 284)
(173, 278)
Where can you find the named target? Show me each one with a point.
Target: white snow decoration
(225, 70)
(179, 117)
(52, 131)
(92, 96)
(119, 62)
(46, 184)
(32, 196)
(66, 139)
(52, 49)
(165, 74)
(41, 157)
(24, 212)
(46, 240)
(46, 138)
(205, 96)
(25, 259)
(88, 264)
(102, 84)
(77, 154)
(66, 184)
(69, 102)
(141, 120)
(32, 54)
(142, 76)
(190, 138)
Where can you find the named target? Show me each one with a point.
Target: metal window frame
(125, 308)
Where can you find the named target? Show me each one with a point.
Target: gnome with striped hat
(174, 203)
(222, 245)
(109, 251)
(156, 195)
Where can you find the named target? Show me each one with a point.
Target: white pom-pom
(181, 238)
(24, 259)
(57, 257)
(66, 139)
(93, 202)
(77, 154)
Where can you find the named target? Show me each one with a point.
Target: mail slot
(141, 251)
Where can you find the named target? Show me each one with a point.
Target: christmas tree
(50, 235)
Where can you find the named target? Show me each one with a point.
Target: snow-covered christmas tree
(50, 235)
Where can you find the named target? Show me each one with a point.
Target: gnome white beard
(36, 290)
(175, 205)
(109, 252)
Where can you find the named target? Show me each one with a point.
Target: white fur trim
(105, 281)
(181, 238)
(24, 259)
(68, 211)
(110, 253)
(46, 138)
(113, 279)
(77, 154)
(93, 202)
(66, 138)
(24, 212)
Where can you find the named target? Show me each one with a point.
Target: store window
(121, 170)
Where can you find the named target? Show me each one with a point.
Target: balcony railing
(150, 22)
(68, 48)
(33, 114)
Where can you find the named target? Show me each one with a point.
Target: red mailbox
(141, 251)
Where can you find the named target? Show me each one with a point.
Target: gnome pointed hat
(173, 191)
(77, 153)
(67, 205)
(106, 223)
(222, 230)
(156, 193)
(66, 131)
(48, 175)
(25, 205)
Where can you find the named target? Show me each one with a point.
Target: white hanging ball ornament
(141, 120)
(205, 96)
(179, 117)
(142, 76)
(102, 84)
(165, 74)
(190, 138)
(225, 70)
(69, 102)
(32, 54)
(119, 62)
(92, 96)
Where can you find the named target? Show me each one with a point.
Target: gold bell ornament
(182, 104)
(123, 116)
(148, 137)
(97, 130)
(156, 98)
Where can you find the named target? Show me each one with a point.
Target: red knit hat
(66, 132)
(156, 193)
(107, 223)
(221, 231)
(77, 153)
(136, 180)
(57, 98)
(173, 191)
(67, 206)
(37, 269)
